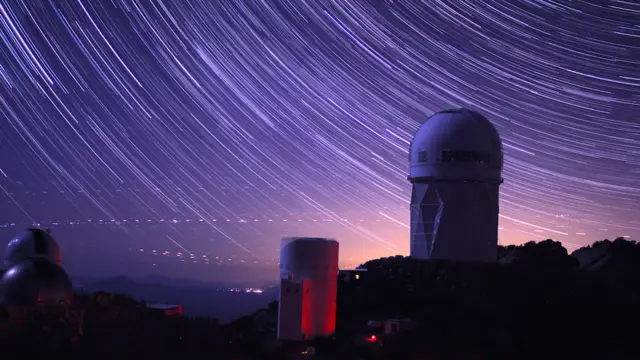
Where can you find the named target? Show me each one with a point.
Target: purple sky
(222, 126)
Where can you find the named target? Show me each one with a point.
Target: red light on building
(308, 324)
(371, 339)
(308, 288)
(177, 311)
(167, 310)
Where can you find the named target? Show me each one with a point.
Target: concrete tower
(308, 288)
(455, 168)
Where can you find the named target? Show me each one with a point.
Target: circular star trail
(238, 109)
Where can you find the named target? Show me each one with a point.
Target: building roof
(355, 270)
(163, 306)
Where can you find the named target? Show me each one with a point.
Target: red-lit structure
(308, 288)
(167, 310)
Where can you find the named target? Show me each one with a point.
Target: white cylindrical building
(455, 169)
(308, 288)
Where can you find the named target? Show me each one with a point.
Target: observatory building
(455, 169)
(308, 288)
(32, 277)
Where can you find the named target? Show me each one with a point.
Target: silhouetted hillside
(537, 302)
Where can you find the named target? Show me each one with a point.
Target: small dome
(457, 144)
(32, 244)
(35, 284)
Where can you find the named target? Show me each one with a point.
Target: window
(422, 157)
(357, 276)
(394, 327)
(465, 156)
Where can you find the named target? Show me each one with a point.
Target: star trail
(247, 116)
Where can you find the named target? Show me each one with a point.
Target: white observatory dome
(32, 244)
(459, 145)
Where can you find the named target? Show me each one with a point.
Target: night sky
(206, 130)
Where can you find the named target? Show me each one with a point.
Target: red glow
(307, 316)
(371, 339)
(319, 307)
(331, 299)
(174, 311)
(318, 292)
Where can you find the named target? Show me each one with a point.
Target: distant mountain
(157, 279)
(197, 298)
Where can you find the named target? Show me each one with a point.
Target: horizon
(158, 264)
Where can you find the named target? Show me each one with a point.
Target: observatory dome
(35, 283)
(32, 244)
(457, 145)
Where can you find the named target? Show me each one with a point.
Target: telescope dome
(456, 145)
(35, 283)
(32, 244)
